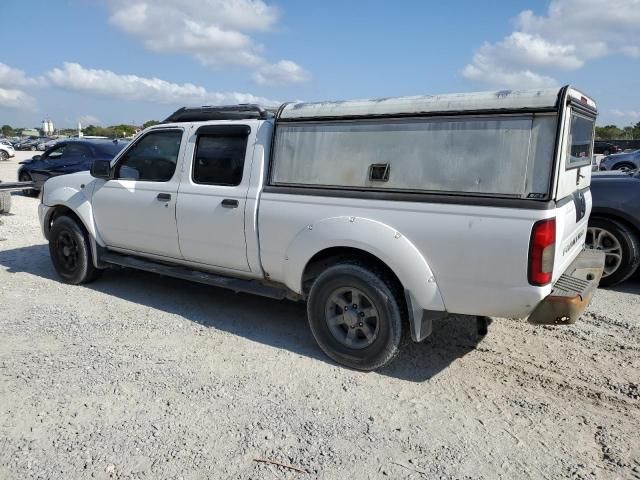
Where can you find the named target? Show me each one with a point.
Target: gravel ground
(141, 376)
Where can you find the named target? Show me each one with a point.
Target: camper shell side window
(508, 155)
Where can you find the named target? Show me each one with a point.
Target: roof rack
(223, 112)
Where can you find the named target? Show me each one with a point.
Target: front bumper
(43, 212)
(572, 292)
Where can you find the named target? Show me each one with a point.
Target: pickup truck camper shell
(382, 214)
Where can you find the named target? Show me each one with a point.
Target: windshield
(580, 141)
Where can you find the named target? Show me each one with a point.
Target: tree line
(113, 131)
(608, 132)
(613, 132)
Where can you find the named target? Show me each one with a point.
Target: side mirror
(36, 157)
(101, 169)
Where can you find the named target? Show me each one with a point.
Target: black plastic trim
(419, 197)
(224, 130)
(445, 113)
(569, 198)
(223, 112)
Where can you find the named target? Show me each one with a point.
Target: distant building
(47, 127)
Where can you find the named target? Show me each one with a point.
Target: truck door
(212, 196)
(573, 197)
(136, 209)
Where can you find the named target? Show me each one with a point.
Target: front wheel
(355, 315)
(4, 155)
(27, 192)
(620, 245)
(624, 166)
(70, 252)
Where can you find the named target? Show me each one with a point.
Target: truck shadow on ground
(281, 324)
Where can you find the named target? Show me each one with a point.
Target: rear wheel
(620, 245)
(70, 252)
(355, 315)
(4, 155)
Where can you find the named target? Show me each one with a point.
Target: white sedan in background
(6, 150)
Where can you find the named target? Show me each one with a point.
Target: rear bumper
(572, 292)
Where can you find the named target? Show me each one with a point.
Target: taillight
(542, 250)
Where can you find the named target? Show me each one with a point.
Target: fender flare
(76, 201)
(375, 238)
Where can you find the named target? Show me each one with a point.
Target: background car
(605, 148)
(6, 150)
(48, 144)
(66, 157)
(614, 225)
(621, 161)
(24, 143)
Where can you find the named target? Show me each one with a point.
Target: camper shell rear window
(580, 144)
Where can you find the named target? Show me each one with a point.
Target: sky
(107, 62)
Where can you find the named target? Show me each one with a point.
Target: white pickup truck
(382, 214)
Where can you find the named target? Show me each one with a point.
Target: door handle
(164, 197)
(230, 203)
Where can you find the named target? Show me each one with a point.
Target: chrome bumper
(572, 292)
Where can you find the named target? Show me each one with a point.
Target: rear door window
(219, 160)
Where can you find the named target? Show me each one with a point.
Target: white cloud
(569, 35)
(281, 73)
(89, 120)
(75, 77)
(626, 116)
(12, 98)
(215, 32)
(12, 80)
(14, 77)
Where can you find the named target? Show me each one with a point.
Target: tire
(4, 155)
(367, 337)
(5, 202)
(624, 166)
(70, 252)
(621, 245)
(27, 192)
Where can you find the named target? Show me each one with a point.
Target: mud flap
(421, 321)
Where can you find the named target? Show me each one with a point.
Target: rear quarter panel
(478, 255)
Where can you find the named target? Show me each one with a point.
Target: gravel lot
(141, 376)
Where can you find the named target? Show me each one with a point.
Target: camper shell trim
(502, 101)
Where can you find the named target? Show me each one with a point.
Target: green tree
(150, 123)
(120, 131)
(7, 131)
(609, 132)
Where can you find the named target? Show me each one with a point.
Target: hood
(616, 156)
(607, 174)
(69, 185)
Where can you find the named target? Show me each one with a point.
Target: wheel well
(623, 164)
(608, 216)
(61, 210)
(330, 256)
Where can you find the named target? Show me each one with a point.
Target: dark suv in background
(66, 157)
(614, 225)
(605, 148)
